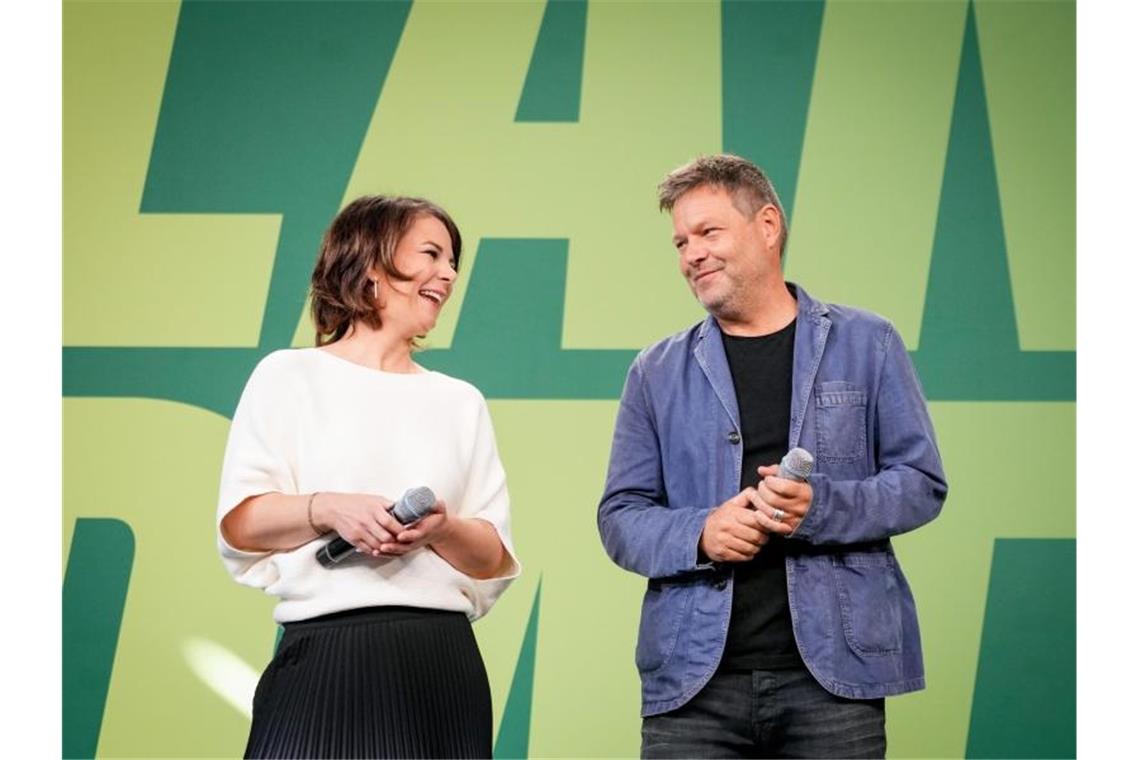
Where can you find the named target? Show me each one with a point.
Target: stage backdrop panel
(925, 154)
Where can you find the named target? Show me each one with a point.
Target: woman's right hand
(361, 519)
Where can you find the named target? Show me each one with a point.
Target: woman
(378, 658)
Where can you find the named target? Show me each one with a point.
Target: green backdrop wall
(925, 152)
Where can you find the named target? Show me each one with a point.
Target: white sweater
(310, 421)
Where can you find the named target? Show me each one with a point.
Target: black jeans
(767, 713)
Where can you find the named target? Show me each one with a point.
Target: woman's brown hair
(363, 237)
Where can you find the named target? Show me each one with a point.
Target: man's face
(723, 255)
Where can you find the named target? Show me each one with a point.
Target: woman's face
(425, 255)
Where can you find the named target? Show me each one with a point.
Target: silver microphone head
(414, 504)
(796, 464)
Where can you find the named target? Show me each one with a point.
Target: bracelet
(313, 525)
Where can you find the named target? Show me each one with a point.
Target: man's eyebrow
(700, 223)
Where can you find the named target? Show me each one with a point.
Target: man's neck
(775, 309)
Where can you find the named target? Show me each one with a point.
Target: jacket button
(720, 585)
(734, 437)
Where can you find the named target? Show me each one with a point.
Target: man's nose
(695, 253)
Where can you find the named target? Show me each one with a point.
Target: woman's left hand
(435, 526)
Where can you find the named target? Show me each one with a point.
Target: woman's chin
(415, 330)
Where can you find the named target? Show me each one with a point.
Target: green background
(925, 152)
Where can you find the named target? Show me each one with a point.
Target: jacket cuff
(689, 539)
(817, 510)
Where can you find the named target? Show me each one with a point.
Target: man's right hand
(735, 531)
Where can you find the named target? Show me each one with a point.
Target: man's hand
(780, 499)
(735, 531)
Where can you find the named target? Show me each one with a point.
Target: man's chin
(723, 311)
(712, 305)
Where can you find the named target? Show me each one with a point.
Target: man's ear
(770, 224)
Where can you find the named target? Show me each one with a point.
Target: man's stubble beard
(724, 307)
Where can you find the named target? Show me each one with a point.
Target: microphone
(413, 505)
(796, 465)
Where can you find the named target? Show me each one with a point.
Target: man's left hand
(785, 501)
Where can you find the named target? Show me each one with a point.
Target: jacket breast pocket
(870, 604)
(840, 422)
(663, 609)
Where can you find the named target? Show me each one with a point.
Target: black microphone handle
(334, 551)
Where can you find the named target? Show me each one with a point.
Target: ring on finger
(778, 514)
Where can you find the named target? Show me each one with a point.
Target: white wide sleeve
(260, 458)
(486, 498)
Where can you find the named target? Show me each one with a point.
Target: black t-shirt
(760, 632)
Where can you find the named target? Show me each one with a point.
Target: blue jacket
(858, 407)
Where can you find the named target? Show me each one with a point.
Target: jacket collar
(812, 327)
(709, 353)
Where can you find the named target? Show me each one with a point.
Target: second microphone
(412, 506)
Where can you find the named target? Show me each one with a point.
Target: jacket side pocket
(869, 602)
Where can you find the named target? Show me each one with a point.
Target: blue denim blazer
(858, 407)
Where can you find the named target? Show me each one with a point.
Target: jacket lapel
(811, 336)
(709, 353)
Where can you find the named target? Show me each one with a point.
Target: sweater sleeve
(260, 458)
(485, 497)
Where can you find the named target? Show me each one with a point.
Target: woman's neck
(377, 349)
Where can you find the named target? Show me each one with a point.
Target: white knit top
(310, 421)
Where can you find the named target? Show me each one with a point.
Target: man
(776, 617)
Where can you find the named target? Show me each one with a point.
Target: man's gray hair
(746, 182)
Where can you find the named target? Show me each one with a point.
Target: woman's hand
(361, 519)
(434, 526)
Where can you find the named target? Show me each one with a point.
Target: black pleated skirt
(376, 682)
